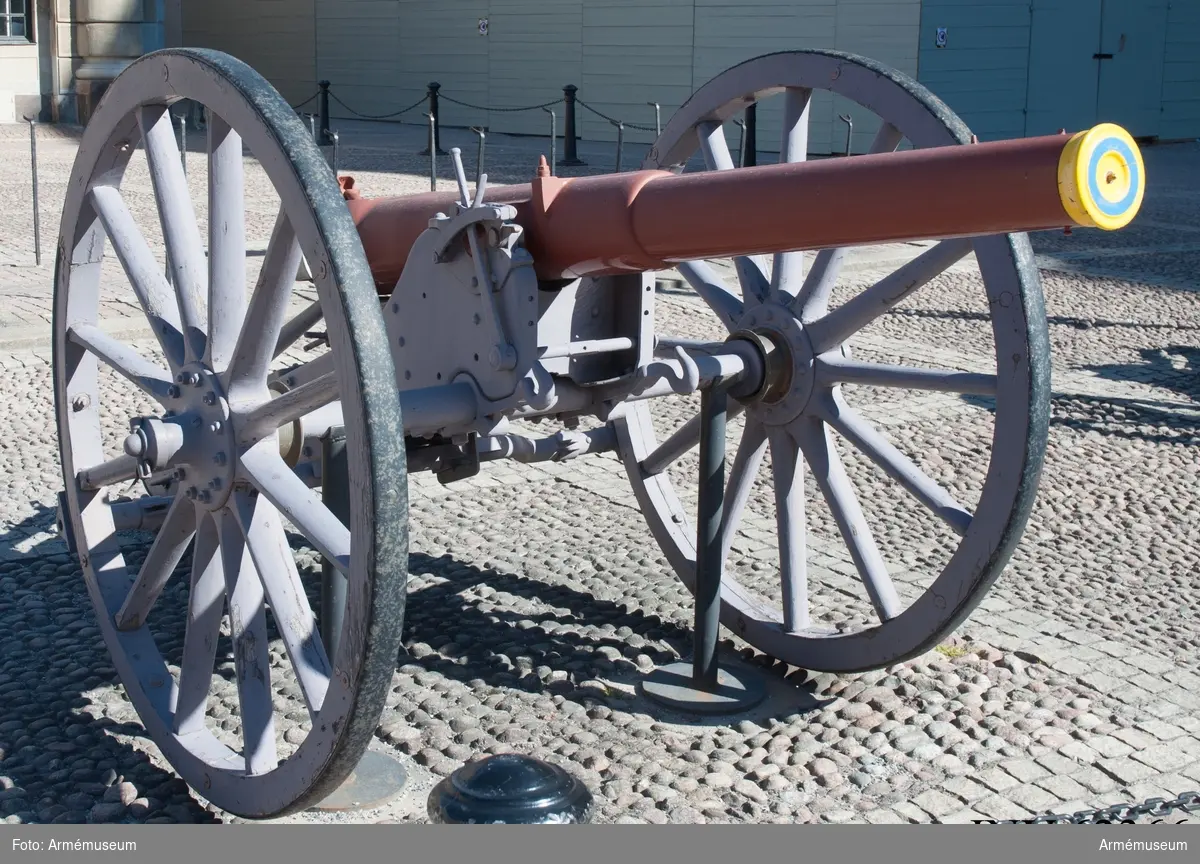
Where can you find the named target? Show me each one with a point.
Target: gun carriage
(450, 317)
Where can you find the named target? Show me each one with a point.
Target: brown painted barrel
(649, 220)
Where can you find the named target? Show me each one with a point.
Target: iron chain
(501, 110)
(306, 101)
(614, 121)
(1189, 802)
(416, 104)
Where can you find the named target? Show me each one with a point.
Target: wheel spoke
(181, 232)
(263, 526)
(714, 147)
(788, 470)
(703, 279)
(251, 657)
(226, 242)
(741, 482)
(268, 306)
(297, 327)
(206, 606)
(817, 446)
(164, 556)
(152, 380)
(303, 508)
(812, 300)
(145, 276)
(856, 313)
(854, 428)
(831, 369)
(289, 406)
(681, 441)
(751, 270)
(788, 267)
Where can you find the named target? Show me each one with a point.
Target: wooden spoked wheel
(788, 306)
(212, 426)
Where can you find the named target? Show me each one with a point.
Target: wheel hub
(194, 438)
(788, 380)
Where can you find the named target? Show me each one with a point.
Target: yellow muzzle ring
(1101, 177)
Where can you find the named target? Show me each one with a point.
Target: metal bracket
(463, 464)
(63, 522)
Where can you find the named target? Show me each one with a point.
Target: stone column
(94, 41)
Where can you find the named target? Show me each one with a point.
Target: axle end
(1101, 177)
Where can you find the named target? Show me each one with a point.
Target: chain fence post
(741, 124)
(849, 121)
(312, 126)
(334, 136)
(570, 154)
(182, 138)
(33, 175)
(620, 143)
(324, 138)
(751, 158)
(553, 138)
(432, 151)
(657, 118)
(482, 133)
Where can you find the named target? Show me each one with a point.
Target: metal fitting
(210, 398)
(219, 458)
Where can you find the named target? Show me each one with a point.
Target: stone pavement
(538, 597)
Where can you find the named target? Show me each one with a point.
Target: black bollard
(510, 789)
(751, 136)
(323, 137)
(570, 137)
(434, 87)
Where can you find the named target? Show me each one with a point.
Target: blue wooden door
(1063, 73)
(1132, 42)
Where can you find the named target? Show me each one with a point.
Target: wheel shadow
(61, 707)
(64, 714)
(593, 652)
(1175, 368)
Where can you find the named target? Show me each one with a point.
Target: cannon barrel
(650, 220)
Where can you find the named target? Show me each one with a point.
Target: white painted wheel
(214, 429)
(790, 307)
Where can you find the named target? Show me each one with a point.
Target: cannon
(449, 319)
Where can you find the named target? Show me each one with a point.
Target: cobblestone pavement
(538, 597)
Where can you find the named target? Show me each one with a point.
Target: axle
(650, 220)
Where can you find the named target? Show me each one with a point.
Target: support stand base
(377, 779)
(674, 687)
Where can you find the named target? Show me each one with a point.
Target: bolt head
(205, 496)
(215, 426)
(215, 483)
(191, 493)
(173, 391)
(135, 445)
(210, 398)
(178, 474)
(219, 459)
(81, 402)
